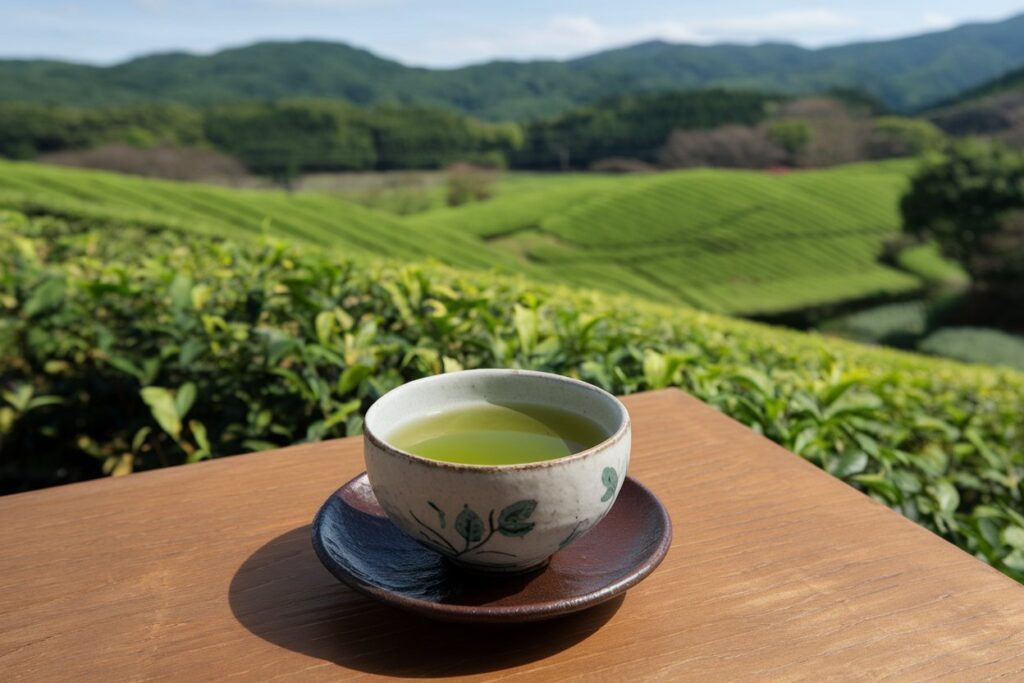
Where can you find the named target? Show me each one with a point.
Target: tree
(898, 136)
(970, 199)
(790, 135)
(724, 147)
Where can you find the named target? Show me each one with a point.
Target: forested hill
(906, 73)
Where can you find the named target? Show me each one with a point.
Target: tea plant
(124, 348)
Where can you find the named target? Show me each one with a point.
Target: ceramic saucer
(359, 545)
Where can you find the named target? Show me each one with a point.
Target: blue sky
(456, 32)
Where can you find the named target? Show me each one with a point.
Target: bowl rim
(616, 436)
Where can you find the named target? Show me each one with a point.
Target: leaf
(190, 351)
(48, 295)
(200, 295)
(527, 325)
(352, 377)
(20, 397)
(849, 463)
(354, 425)
(947, 497)
(184, 398)
(140, 438)
(165, 412)
(325, 322)
(450, 364)
(754, 379)
(1015, 560)
(198, 430)
(40, 401)
(119, 465)
(126, 366)
(610, 479)
(469, 525)
(440, 513)
(655, 369)
(990, 531)
(1014, 536)
(512, 519)
(877, 484)
(180, 291)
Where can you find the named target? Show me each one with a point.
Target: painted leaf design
(610, 479)
(469, 525)
(512, 520)
(439, 511)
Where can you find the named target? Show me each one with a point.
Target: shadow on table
(284, 595)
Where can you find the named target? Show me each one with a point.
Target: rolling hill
(906, 73)
(731, 241)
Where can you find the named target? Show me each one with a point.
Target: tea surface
(492, 434)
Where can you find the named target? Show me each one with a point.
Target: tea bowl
(496, 518)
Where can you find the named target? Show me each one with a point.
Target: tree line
(669, 130)
(279, 139)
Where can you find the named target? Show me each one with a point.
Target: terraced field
(305, 218)
(731, 241)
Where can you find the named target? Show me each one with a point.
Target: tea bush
(976, 345)
(124, 349)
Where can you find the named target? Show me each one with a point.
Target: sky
(447, 33)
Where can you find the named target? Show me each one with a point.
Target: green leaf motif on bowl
(610, 479)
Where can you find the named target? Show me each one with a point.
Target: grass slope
(313, 219)
(728, 241)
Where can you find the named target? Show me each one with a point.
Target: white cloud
(790, 21)
(937, 22)
(558, 37)
(567, 35)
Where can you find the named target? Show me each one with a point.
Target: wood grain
(778, 571)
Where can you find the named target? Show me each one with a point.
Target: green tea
(492, 434)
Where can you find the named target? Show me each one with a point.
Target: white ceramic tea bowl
(496, 518)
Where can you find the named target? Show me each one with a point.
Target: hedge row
(124, 349)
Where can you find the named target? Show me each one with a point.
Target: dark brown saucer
(361, 547)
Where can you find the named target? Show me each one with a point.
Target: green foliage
(898, 325)
(970, 200)
(732, 241)
(206, 210)
(289, 137)
(29, 129)
(286, 138)
(791, 135)
(976, 345)
(898, 136)
(926, 261)
(633, 126)
(162, 349)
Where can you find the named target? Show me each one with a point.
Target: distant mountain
(907, 73)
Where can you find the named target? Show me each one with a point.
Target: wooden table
(778, 571)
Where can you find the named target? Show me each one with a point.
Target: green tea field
(730, 241)
(737, 242)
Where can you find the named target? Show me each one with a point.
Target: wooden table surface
(777, 572)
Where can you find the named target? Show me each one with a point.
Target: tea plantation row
(125, 347)
(728, 241)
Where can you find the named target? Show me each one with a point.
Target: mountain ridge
(907, 73)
